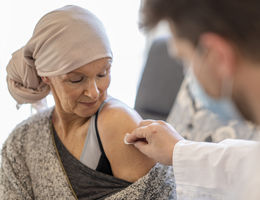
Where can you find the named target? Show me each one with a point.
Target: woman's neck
(67, 123)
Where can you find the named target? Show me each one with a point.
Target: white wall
(120, 17)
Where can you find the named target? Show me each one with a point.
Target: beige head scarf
(63, 40)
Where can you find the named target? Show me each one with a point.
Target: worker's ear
(46, 80)
(221, 54)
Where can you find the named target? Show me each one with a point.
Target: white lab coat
(213, 171)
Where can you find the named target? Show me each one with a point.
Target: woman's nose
(92, 90)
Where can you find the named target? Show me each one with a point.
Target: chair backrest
(160, 82)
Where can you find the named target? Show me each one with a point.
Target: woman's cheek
(105, 84)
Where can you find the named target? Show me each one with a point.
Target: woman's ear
(222, 53)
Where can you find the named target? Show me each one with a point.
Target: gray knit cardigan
(31, 168)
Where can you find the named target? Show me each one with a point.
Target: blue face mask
(223, 107)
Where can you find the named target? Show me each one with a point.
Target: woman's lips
(89, 104)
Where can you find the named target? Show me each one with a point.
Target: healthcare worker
(222, 40)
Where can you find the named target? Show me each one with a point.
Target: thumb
(141, 145)
(129, 139)
(136, 135)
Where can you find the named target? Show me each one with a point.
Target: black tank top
(86, 182)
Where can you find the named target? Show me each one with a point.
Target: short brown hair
(236, 20)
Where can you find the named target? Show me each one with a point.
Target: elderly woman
(74, 150)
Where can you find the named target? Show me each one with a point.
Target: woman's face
(82, 91)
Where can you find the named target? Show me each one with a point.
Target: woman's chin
(87, 111)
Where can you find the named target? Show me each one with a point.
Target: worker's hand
(156, 139)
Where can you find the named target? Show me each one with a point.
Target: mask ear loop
(227, 93)
(200, 50)
(191, 77)
(226, 88)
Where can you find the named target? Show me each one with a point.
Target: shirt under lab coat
(213, 171)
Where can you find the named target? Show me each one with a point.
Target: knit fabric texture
(31, 169)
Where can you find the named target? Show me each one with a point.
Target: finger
(146, 122)
(161, 122)
(137, 134)
(142, 146)
(126, 139)
(132, 138)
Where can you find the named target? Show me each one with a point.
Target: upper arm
(13, 183)
(128, 163)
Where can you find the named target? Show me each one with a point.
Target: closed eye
(104, 74)
(101, 75)
(76, 80)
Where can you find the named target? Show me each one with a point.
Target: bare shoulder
(114, 121)
(117, 115)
